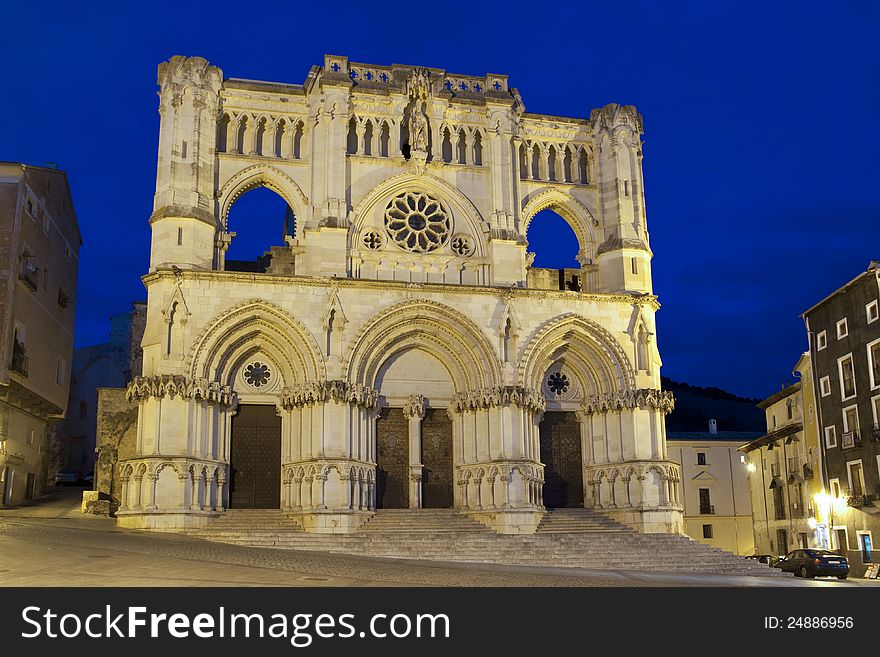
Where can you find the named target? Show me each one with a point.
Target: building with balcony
(715, 487)
(39, 251)
(844, 340)
(784, 471)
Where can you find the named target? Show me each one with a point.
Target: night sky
(761, 148)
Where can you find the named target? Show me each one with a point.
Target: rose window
(257, 374)
(558, 383)
(462, 245)
(373, 240)
(417, 222)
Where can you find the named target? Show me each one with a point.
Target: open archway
(261, 219)
(556, 248)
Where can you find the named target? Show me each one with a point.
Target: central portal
(561, 456)
(255, 458)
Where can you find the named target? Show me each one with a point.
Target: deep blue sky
(761, 148)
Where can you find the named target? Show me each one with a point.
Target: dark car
(66, 477)
(812, 562)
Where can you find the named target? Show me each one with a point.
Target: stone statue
(418, 128)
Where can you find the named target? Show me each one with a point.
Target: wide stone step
(574, 538)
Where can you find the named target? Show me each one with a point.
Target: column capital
(414, 407)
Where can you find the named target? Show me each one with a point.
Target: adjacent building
(39, 250)
(715, 487)
(111, 364)
(784, 471)
(844, 340)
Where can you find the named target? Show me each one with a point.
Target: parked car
(812, 562)
(67, 477)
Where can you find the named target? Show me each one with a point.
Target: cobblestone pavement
(52, 544)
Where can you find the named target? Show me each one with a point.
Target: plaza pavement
(51, 543)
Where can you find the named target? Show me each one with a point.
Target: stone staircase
(571, 538)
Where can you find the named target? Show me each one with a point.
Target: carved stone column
(414, 412)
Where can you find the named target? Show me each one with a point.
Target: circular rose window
(257, 374)
(416, 222)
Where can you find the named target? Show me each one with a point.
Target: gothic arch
(445, 333)
(598, 358)
(244, 329)
(261, 175)
(464, 212)
(569, 208)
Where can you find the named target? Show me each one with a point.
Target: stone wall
(116, 440)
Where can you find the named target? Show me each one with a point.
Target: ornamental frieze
(342, 392)
(173, 385)
(474, 400)
(630, 399)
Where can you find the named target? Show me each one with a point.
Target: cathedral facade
(399, 350)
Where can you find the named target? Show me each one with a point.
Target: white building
(715, 487)
(399, 350)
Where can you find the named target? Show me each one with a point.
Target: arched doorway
(561, 455)
(255, 458)
(414, 451)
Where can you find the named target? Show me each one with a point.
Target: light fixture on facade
(751, 467)
(812, 523)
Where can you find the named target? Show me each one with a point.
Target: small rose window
(257, 374)
(558, 383)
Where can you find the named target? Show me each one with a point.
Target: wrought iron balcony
(857, 500)
(29, 274)
(19, 361)
(850, 440)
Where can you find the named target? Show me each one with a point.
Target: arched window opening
(523, 162)
(352, 147)
(642, 350)
(556, 248)
(478, 149)
(297, 141)
(368, 139)
(566, 167)
(384, 139)
(261, 220)
(260, 145)
(240, 135)
(551, 164)
(171, 320)
(224, 134)
(582, 168)
(462, 148)
(536, 163)
(278, 139)
(508, 332)
(330, 319)
(447, 146)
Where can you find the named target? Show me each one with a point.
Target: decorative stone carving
(172, 385)
(630, 399)
(307, 394)
(474, 400)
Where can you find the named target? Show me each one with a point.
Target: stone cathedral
(398, 349)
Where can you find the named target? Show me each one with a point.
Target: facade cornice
(249, 278)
